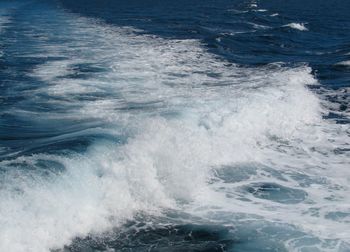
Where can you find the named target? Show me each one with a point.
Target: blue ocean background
(174, 125)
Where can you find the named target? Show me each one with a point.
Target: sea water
(174, 125)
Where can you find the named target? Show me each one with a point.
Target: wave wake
(189, 122)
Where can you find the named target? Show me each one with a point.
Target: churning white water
(190, 132)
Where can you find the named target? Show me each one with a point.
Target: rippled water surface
(174, 125)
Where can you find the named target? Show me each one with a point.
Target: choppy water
(174, 125)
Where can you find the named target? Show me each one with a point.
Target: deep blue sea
(187, 125)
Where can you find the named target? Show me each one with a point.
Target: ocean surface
(197, 125)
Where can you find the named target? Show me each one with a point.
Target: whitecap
(297, 26)
(345, 63)
(261, 10)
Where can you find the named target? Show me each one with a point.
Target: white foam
(257, 26)
(261, 10)
(344, 63)
(225, 116)
(253, 4)
(297, 26)
(237, 11)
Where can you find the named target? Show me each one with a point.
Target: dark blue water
(174, 125)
